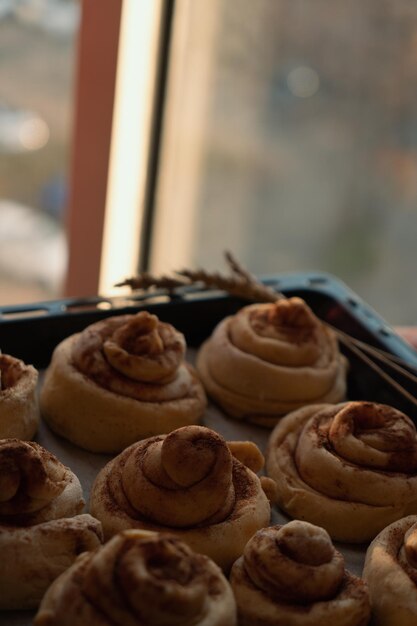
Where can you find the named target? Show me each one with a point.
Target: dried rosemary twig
(241, 284)
(395, 362)
(346, 340)
(236, 286)
(382, 355)
(247, 276)
(147, 281)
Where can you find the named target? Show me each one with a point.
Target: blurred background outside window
(37, 54)
(293, 142)
(289, 137)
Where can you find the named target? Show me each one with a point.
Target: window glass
(37, 54)
(293, 142)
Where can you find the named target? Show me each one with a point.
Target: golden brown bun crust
(292, 576)
(121, 380)
(41, 531)
(186, 482)
(33, 557)
(355, 461)
(270, 359)
(19, 410)
(391, 573)
(140, 579)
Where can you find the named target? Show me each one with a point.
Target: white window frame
(115, 91)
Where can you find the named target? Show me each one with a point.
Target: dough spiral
(187, 482)
(120, 380)
(41, 531)
(34, 485)
(351, 468)
(270, 359)
(292, 575)
(391, 573)
(19, 410)
(140, 579)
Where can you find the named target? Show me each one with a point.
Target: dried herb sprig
(243, 284)
(146, 281)
(235, 285)
(240, 283)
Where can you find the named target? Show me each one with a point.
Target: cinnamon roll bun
(186, 482)
(140, 579)
(292, 576)
(41, 529)
(351, 467)
(19, 411)
(391, 573)
(270, 359)
(120, 380)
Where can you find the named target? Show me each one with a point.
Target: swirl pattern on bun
(19, 411)
(120, 380)
(292, 576)
(270, 359)
(140, 578)
(391, 573)
(351, 468)
(185, 482)
(41, 531)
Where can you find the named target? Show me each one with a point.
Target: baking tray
(31, 332)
